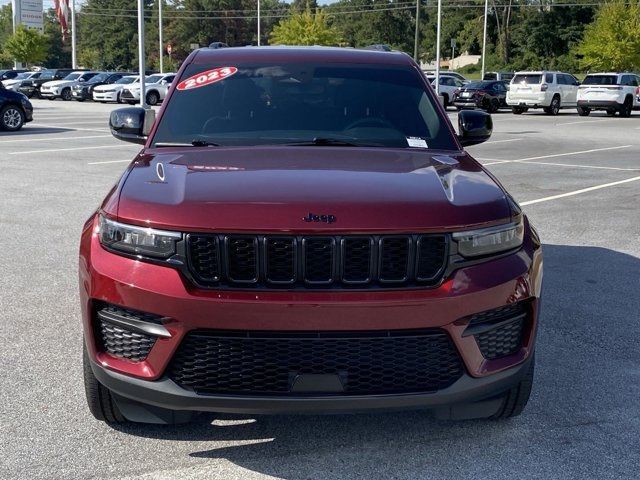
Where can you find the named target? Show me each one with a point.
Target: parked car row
(550, 91)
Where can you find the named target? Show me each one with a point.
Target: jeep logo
(312, 217)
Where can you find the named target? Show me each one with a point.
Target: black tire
(445, 100)
(627, 108)
(66, 94)
(119, 98)
(11, 118)
(517, 110)
(79, 99)
(153, 98)
(494, 105)
(516, 399)
(554, 108)
(584, 111)
(99, 398)
(458, 108)
(131, 103)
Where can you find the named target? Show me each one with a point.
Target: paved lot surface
(583, 421)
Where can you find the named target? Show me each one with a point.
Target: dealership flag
(62, 11)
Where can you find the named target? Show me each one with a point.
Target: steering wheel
(369, 122)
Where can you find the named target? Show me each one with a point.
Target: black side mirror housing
(132, 124)
(474, 126)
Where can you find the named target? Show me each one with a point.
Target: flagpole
(141, 59)
(484, 36)
(160, 34)
(438, 47)
(258, 22)
(74, 63)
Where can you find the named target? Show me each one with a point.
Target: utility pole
(141, 59)
(484, 37)
(258, 22)
(438, 47)
(74, 60)
(160, 35)
(415, 42)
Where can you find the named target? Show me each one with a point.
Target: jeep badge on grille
(312, 217)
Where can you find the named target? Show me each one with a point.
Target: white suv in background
(112, 91)
(156, 86)
(613, 92)
(548, 90)
(449, 85)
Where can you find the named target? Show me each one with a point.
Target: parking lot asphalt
(577, 178)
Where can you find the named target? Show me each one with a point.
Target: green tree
(305, 28)
(27, 45)
(59, 52)
(612, 41)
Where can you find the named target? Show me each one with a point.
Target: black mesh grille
(357, 254)
(394, 259)
(318, 260)
(211, 362)
(502, 341)
(499, 332)
(120, 341)
(244, 261)
(281, 260)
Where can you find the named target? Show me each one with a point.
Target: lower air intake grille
(119, 341)
(499, 332)
(218, 362)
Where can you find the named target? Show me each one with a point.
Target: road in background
(583, 420)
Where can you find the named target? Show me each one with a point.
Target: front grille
(122, 342)
(499, 332)
(243, 261)
(267, 363)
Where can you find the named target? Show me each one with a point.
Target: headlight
(137, 240)
(490, 240)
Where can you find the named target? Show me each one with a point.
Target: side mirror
(474, 127)
(132, 124)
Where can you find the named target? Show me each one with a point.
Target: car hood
(109, 88)
(8, 83)
(271, 189)
(60, 83)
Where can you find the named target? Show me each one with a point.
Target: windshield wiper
(194, 143)
(332, 142)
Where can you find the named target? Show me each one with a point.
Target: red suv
(303, 232)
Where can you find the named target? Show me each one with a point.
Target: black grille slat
(319, 255)
(502, 341)
(281, 260)
(394, 259)
(431, 255)
(211, 362)
(121, 342)
(350, 261)
(357, 256)
(242, 259)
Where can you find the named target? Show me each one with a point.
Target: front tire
(516, 398)
(627, 107)
(99, 399)
(494, 105)
(517, 110)
(11, 118)
(152, 98)
(66, 94)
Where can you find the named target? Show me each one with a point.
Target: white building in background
(453, 64)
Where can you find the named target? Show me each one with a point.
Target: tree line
(571, 35)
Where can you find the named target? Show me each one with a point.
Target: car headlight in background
(490, 240)
(135, 240)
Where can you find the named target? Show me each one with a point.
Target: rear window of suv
(260, 104)
(601, 80)
(529, 79)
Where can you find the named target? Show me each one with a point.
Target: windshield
(72, 76)
(370, 105)
(101, 77)
(127, 80)
(601, 80)
(154, 78)
(47, 74)
(22, 76)
(528, 79)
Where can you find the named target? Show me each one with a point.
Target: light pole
(484, 36)
(141, 63)
(438, 47)
(258, 22)
(160, 35)
(74, 61)
(415, 46)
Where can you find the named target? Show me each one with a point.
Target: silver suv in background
(612, 92)
(550, 91)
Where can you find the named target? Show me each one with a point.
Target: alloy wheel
(12, 119)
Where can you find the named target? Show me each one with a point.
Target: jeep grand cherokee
(302, 231)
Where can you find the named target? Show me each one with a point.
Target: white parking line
(70, 128)
(578, 192)
(583, 121)
(504, 141)
(582, 166)
(52, 138)
(572, 153)
(68, 149)
(103, 122)
(110, 161)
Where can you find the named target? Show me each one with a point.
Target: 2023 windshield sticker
(208, 77)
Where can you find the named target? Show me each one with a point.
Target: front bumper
(28, 90)
(105, 96)
(80, 95)
(49, 93)
(163, 291)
